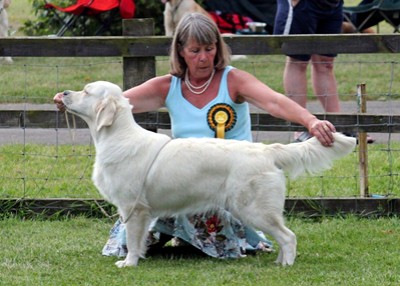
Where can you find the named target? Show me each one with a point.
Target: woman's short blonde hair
(198, 27)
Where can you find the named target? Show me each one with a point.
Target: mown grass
(331, 251)
(47, 171)
(36, 80)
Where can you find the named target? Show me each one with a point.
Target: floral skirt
(220, 236)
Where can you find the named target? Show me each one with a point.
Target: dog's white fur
(4, 25)
(174, 10)
(147, 175)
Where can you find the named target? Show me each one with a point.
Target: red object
(229, 22)
(94, 7)
(127, 9)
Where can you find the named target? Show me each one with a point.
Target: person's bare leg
(324, 82)
(325, 86)
(295, 82)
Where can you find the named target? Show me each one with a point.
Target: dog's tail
(311, 156)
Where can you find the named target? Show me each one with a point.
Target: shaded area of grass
(331, 251)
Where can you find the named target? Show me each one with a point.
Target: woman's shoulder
(237, 75)
(239, 82)
(162, 79)
(160, 82)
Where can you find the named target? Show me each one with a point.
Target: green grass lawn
(47, 76)
(331, 251)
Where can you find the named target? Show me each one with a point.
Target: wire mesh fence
(57, 162)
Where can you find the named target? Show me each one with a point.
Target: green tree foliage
(49, 22)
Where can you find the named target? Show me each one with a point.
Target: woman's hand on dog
(323, 130)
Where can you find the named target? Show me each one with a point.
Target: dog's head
(97, 103)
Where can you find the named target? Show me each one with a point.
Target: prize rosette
(221, 117)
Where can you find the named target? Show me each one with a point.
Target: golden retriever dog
(4, 25)
(174, 11)
(146, 174)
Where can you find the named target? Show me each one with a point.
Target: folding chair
(390, 10)
(93, 9)
(371, 12)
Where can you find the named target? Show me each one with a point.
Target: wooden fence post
(137, 70)
(362, 143)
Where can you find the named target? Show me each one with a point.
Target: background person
(310, 17)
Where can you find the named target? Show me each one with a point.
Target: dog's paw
(285, 262)
(125, 263)
(287, 255)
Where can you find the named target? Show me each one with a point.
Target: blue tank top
(189, 121)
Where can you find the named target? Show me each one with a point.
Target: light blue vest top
(190, 121)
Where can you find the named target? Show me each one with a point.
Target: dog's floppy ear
(105, 112)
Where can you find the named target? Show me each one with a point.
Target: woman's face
(199, 58)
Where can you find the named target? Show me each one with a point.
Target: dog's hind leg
(136, 233)
(261, 205)
(285, 238)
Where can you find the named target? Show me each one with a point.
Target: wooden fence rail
(160, 120)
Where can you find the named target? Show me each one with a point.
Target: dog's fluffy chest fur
(122, 159)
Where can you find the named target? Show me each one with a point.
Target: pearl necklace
(203, 86)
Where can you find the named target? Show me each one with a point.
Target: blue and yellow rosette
(221, 118)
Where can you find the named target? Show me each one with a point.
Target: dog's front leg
(136, 233)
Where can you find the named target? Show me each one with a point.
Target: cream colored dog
(174, 11)
(4, 25)
(147, 174)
